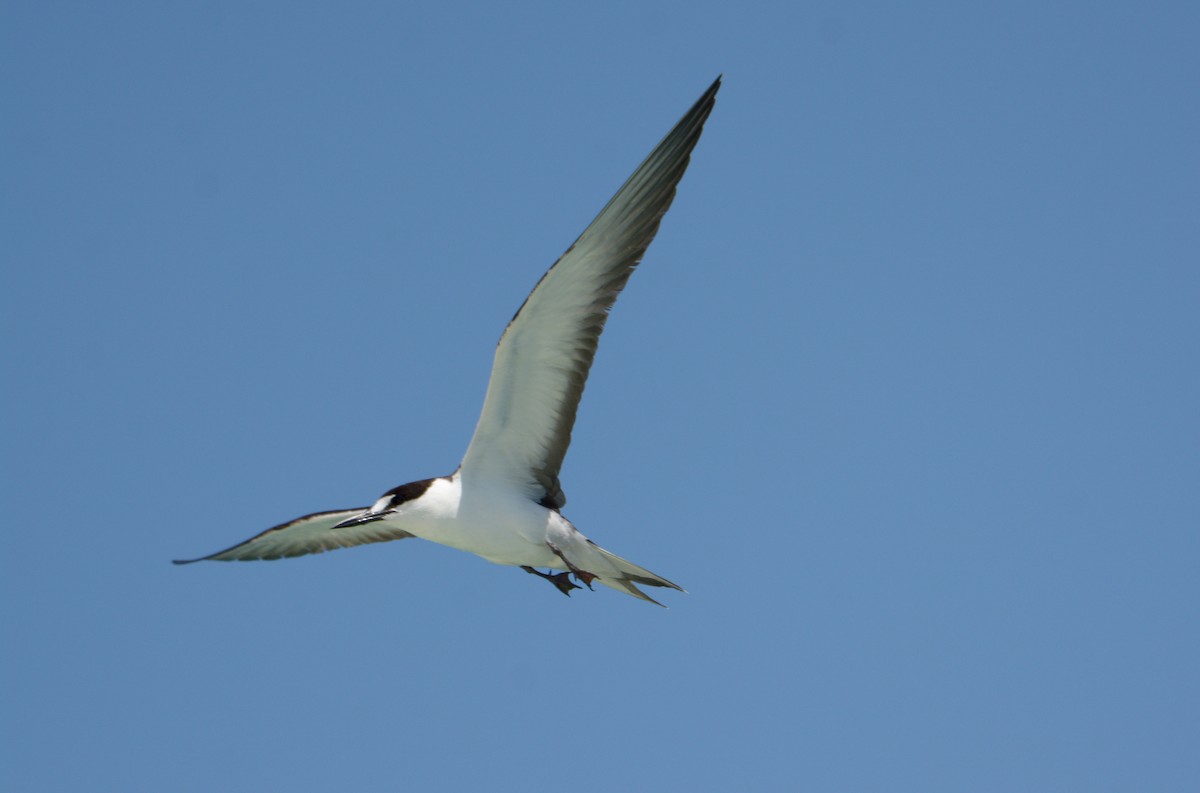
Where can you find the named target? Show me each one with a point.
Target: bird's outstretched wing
(309, 534)
(543, 358)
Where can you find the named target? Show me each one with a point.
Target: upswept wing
(543, 358)
(309, 534)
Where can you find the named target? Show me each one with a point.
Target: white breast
(498, 523)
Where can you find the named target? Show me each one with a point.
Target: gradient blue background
(906, 394)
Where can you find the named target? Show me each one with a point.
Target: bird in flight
(504, 502)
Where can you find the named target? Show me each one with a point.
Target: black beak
(366, 517)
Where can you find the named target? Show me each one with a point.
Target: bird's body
(482, 518)
(504, 501)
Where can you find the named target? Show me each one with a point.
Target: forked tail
(624, 576)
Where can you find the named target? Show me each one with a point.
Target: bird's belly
(510, 534)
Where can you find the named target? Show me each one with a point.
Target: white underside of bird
(504, 502)
(493, 520)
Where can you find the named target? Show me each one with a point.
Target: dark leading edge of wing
(543, 358)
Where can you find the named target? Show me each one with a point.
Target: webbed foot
(583, 575)
(560, 580)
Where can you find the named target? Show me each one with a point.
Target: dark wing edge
(305, 535)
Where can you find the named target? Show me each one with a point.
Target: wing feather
(542, 360)
(309, 534)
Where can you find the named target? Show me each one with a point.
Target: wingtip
(704, 104)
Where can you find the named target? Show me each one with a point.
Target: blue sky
(905, 394)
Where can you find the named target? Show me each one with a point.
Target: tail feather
(623, 575)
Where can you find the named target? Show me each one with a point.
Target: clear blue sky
(906, 394)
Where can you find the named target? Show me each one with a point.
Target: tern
(504, 501)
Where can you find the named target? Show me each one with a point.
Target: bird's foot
(583, 575)
(561, 580)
